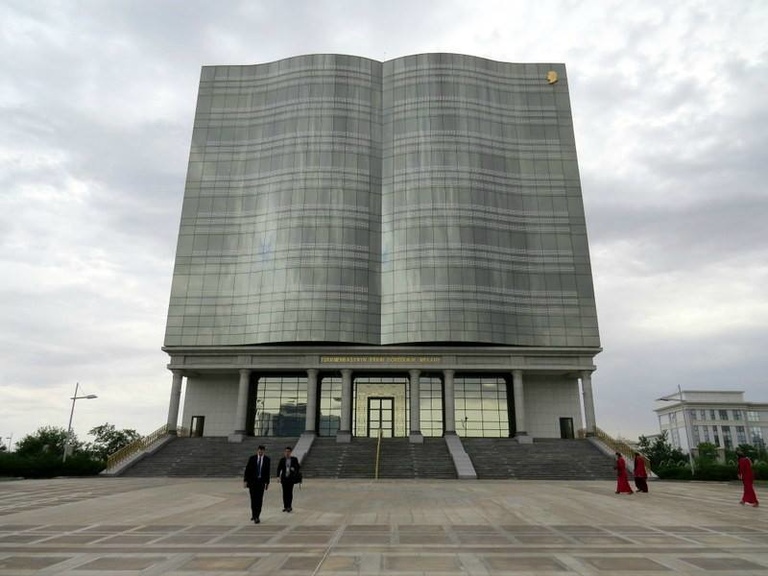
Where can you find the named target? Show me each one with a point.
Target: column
(519, 398)
(173, 407)
(311, 424)
(415, 433)
(242, 407)
(589, 403)
(449, 418)
(344, 433)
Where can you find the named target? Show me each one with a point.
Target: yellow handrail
(616, 445)
(378, 456)
(137, 445)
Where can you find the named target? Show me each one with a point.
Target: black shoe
(289, 509)
(256, 521)
(286, 509)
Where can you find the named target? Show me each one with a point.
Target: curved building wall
(431, 198)
(280, 228)
(483, 232)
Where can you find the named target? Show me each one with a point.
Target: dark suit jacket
(294, 465)
(251, 474)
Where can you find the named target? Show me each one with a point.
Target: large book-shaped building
(394, 245)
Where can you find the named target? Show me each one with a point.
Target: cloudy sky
(670, 104)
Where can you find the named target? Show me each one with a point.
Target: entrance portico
(342, 392)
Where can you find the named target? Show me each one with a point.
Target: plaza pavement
(188, 527)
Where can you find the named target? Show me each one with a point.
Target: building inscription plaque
(380, 359)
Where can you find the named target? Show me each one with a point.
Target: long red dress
(746, 476)
(622, 484)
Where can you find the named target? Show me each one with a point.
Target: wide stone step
(398, 459)
(550, 459)
(213, 457)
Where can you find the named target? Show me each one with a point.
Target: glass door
(381, 414)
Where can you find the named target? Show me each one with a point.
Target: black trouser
(257, 497)
(287, 494)
(641, 484)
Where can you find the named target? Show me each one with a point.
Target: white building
(720, 417)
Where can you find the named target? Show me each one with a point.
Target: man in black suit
(287, 471)
(256, 479)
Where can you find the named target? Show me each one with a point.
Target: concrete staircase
(399, 459)
(544, 459)
(493, 458)
(212, 457)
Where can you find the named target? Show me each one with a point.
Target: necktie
(259, 467)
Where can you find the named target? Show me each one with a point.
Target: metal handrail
(138, 445)
(378, 455)
(616, 445)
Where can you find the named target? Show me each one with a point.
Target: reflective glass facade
(430, 198)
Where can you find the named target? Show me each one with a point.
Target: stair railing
(616, 445)
(138, 445)
(378, 455)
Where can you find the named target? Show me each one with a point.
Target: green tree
(46, 441)
(660, 452)
(109, 440)
(707, 452)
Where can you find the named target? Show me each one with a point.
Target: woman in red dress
(746, 477)
(622, 484)
(640, 473)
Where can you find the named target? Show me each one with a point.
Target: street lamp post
(68, 441)
(685, 424)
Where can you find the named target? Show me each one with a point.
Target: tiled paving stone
(75, 538)
(57, 528)
(720, 540)
(15, 527)
(554, 537)
(338, 563)
(578, 529)
(184, 538)
(369, 538)
(725, 563)
(666, 539)
(23, 562)
(624, 564)
(516, 563)
(122, 563)
(597, 540)
(305, 564)
(107, 528)
(526, 529)
(633, 529)
(207, 564)
(21, 538)
(306, 538)
(543, 539)
(129, 539)
(368, 528)
(426, 563)
(483, 538)
(207, 529)
(737, 529)
(424, 539)
(683, 529)
(160, 528)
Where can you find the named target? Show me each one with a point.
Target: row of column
(344, 433)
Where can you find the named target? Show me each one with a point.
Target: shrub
(673, 472)
(48, 466)
(715, 472)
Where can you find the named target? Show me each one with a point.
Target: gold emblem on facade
(552, 77)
